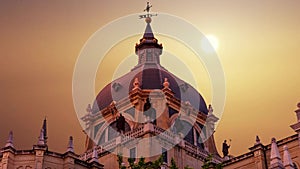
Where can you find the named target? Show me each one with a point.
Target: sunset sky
(258, 48)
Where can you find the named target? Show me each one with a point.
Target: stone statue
(149, 111)
(225, 148)
(121, 124)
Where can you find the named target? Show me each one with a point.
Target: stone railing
(133, 134)
(109, 144)
(238, 158)
(159, 132)
(191, 148)
(197, 151)
(88, 153)
(169, 136)
(114, 142)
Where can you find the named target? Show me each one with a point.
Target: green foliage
(157, 163)
(131, 162)
(141, 164)
(219, 166)
(120, 161)
(173, 164)
(209, 164)
(187, 167)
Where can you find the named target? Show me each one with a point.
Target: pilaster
(259, 154)
(39, 157)
(8, 157)
(158, 102)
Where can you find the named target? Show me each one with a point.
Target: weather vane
(148, 15)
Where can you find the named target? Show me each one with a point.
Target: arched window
(111, 132)
(199, 140)
(190, 134)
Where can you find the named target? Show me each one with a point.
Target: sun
(213, 40)
(210, 43)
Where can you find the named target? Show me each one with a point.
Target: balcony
(147, 128)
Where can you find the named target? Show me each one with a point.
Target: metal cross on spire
(148, 15)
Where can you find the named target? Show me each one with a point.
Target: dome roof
(151, 77)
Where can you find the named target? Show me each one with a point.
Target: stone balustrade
(159, 132)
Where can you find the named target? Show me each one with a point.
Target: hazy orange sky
(41, 40)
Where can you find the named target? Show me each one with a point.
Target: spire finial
(166, 84)
(41, 141)
(70, 145)
(257, 140)
(148, 15)
(89, 108)
(210, 109)
(45, 129)
(9, 142)
(148, 49)
(287, 161)
(276, 162)
(136, 83)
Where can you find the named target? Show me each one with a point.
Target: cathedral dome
(148, 78)
(149, 75)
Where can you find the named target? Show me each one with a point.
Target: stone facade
(42, 159)
(39, 157)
